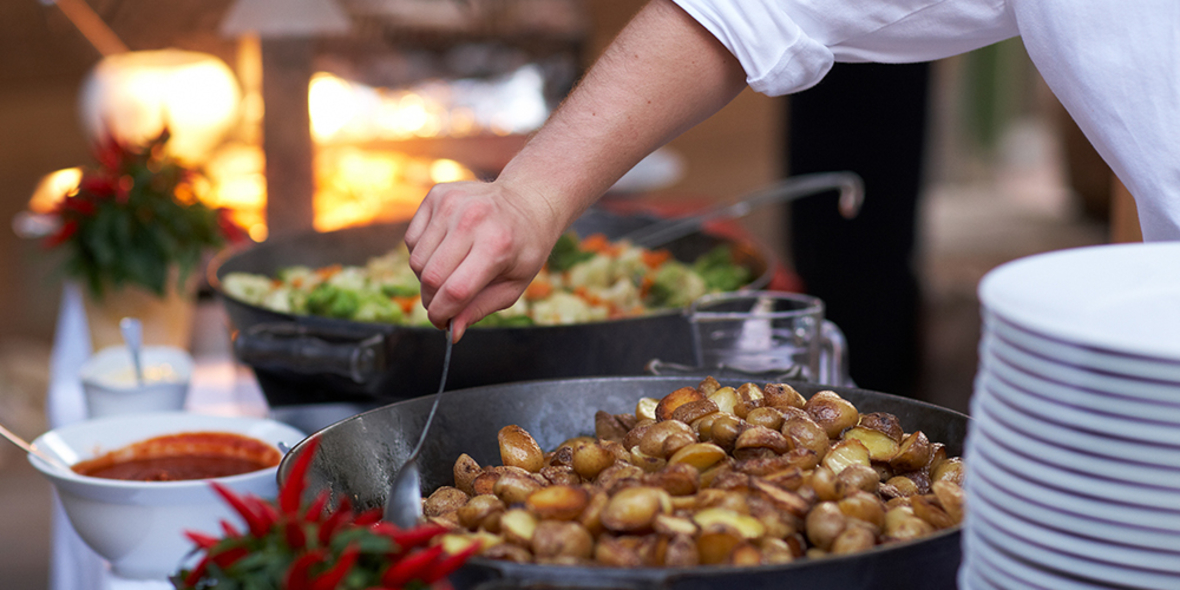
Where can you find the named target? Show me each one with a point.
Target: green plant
(135, 219)
(295, 547)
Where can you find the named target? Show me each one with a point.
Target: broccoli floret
(375, 307)
(332, 301)
(675, 285)
(720, 271)
(566, 253)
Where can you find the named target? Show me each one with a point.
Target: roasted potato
(706, 475)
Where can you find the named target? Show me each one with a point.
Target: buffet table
(219, 386)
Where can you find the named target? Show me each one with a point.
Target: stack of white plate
(1073, 455)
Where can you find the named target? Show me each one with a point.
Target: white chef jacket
(1113, 64)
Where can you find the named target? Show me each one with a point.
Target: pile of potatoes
(707, 475)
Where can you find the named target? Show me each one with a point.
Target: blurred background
(365, 110)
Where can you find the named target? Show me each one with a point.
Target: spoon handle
(437, 396)
(132, 331)
(30, 449)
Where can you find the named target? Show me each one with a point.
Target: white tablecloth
(219, 386)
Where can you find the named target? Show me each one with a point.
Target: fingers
(484, 263)
(493, 298)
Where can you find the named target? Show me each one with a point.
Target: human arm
(476, 246)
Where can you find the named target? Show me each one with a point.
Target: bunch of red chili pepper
(292, 547)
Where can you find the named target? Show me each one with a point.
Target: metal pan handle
(298, 349)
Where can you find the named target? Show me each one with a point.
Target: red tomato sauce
(184, 456)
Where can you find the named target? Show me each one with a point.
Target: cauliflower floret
(562, 308)
(350, 278)
(630, 265)
(622, 295)
(278, 300)
(250, 288)
(300, 277)
(595, 272)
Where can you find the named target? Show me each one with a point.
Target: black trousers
(870, 119)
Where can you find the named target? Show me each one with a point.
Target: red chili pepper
(315, 510)
(419, 535)
(229, 529)
(443, 567)
(296, 537)
(254, 522)
(411, 566)
(297, 577)
(329, 579)
(201, 539)
(265, 510)
(292, 491)
(368, 517)
(230, 556)
(339, 518)
(197, 572)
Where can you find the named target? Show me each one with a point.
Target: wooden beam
(286, 135)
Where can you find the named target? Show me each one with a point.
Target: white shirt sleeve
(1116, 68)
(788, 45)
(1114, 65)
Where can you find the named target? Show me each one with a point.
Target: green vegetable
(566, 253)
(332, 301)
(675, 285)
(720, 271)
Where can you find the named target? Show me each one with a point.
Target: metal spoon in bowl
(403, 506)
(32, 450)
(132, 330)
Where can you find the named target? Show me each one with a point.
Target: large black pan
(305, 359)
(358, 456)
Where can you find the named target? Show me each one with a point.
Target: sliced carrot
(407, 302)
(654, 258)
(538, 289)
(328, 272)
(587, 296)
(595, 243)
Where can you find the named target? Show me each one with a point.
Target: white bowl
(138, 526)
(108, 380)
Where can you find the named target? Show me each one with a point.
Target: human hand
(475, 247)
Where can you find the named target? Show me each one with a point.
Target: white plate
(1141, 429)
(1075, 508)
(981, 444)
(1065, 435)
(1136, 367)
(1036, 417)
(1149, 390)
(1082, 397)
(1109, 564)
(1017, 573)
(1120, 298)
(1034, 510)
(1086, 462)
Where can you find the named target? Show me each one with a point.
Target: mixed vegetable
(585, 280)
